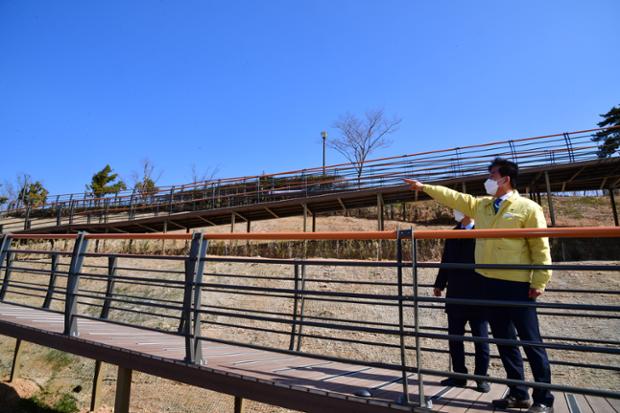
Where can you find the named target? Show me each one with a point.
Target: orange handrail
(572, 232)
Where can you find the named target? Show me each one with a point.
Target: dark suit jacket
(461, 283)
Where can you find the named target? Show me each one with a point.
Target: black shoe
(509, 402)
(540, 408)
(483, 386)
(451, 381)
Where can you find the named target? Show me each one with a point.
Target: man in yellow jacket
(505, 208)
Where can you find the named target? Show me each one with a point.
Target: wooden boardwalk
(296, 382)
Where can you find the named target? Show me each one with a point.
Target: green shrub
(58, 359)
(66, 404)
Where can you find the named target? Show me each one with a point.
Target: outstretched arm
(465, 203)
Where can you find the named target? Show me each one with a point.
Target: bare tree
(204, 175)
(4, 196)
(145, 182)
(359, 137)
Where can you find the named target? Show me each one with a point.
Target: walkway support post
(17, 355)
(549, 199)
(238, 404)
(73, 280)
(305, 216)
(612, 198)
(123, 390)
(95, 397)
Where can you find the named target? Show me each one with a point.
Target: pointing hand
(415, 185)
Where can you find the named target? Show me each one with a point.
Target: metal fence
(370, 313)
(565, 148)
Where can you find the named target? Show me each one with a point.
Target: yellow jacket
(514, 212)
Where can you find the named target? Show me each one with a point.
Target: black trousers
(479, 328)
(507, 323)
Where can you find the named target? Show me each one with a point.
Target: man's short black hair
(506, 168)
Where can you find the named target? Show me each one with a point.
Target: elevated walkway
(554, 163)
(308, 334)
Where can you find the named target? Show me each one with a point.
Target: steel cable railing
(367, 313)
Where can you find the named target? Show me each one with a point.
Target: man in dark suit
(463, 284)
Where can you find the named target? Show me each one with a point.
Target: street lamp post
(324, 136)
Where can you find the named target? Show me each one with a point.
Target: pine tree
(33, 194)
(103, 183)
(610, 138)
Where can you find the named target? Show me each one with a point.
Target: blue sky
(247, 86)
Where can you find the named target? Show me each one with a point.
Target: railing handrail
(568, 232)
(406, 298)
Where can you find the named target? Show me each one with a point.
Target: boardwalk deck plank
(327, 378)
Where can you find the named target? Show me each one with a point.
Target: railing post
(73, 280)
(7, 275)
(401, 316)
(52, 283)
(109, 290)
(569, 147)
(204, 244)
(416, 315)
(191, 269)
(5, 245)
(301, 310)
(71, 209)
(27, 218)
(513, 151)
(58, 214)
(106, 210)
(131, 206)
(170, 200)
(291, 344)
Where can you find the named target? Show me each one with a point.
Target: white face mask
(491, 186)
(458, 215)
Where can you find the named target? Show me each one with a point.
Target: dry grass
(55, 376)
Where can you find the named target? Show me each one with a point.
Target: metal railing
(369, 313)
(564, 148)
